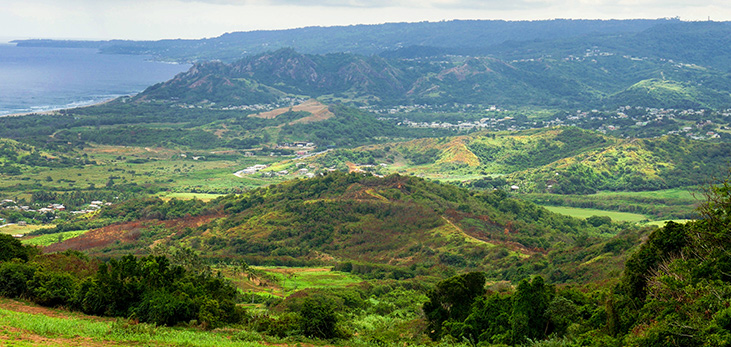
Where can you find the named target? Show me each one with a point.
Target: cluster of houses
(283, 102)
(692, 123)
(52, 208)
(305, 172)
(301, 147)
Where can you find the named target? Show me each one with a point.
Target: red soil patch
(124, 233)
(318, 110)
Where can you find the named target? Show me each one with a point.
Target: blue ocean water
(41, 79)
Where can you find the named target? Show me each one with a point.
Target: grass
(47, 240)
(676, 194)
(287, 280)
(14, 229)
(164, 168)
(588, 212)
(661, 223)
(293, 279)
(67, 330)
(189, 196)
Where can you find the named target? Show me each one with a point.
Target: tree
(318, 317)
(451, 300)
(530, 302)
(11, 248)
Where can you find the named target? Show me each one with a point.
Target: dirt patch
(352, 167)
(17, 306)
(124, 233)
(13, 336)
(318, 111)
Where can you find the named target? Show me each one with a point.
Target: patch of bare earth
(15, 336)
(124, 233)
(318, 111)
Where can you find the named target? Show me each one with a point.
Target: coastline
(56, 110)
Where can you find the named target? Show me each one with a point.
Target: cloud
(424, 4)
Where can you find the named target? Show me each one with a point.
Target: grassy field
(660, 223)
(588, 212)
(27, 325)
(282, 281)
(166, 169)
(47, 240)
(14, 229)
(292, 279)
(189, 196)
(678, 194)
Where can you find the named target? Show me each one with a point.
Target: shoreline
(56, 110)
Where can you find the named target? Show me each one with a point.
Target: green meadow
(588, 212)
(80, 329)
(49, 239)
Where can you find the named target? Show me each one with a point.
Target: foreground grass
(113, 332)
(588, 212)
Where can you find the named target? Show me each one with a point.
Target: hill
(398, 224)
(597, 79)
(562, 160)
(694, 42)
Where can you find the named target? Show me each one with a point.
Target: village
(625, 121)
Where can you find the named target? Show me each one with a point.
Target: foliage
(451, 299)
(319, 317)
(150, 289)
(12, 248)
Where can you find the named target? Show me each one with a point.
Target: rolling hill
(397, 224)
(562, 160)
(598, 78)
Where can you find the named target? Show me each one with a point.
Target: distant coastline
(36, 80)
(68, 107)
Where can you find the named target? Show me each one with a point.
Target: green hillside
(399, 224)
(597, 79)
(561, 160)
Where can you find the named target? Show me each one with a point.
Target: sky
(191, 19)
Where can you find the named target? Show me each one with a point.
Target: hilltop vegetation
(561, 160)
(402, 225)
(597, 79)
(672, 289)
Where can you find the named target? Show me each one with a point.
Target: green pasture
(49, 239)
(291, 279)
(588, 212)
(661, 223)
(676, 194)
(15, 229)
(164, 168)
(189, 196)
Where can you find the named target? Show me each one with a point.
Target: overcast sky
(159, 19)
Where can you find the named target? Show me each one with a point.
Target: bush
(318, 317)
(13, 278)
(11, 248)
(51, 288)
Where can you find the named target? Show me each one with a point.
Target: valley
(564, 186)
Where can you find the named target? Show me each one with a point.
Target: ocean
(37, 79)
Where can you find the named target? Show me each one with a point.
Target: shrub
(13, 278)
